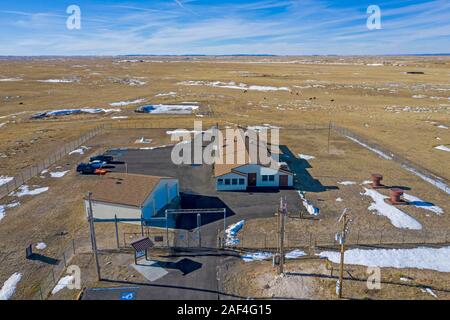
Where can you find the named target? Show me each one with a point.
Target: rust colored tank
(396, 196)
(376, 180)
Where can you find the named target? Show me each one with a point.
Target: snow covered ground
(41, 246)
(127, 103)
(10, 79)
(26, 191)
(5, 180)
(308, 205)
(436, 182)
(231, 233)
(442, 148)
(57, 81)
(347, 183)
(79, 151)
(378, 152)
(59, 174)
(233, 85)
(419, 258)
(397, 217)
(67, 112)
(306, 157)
(7, 206)
(259, 256)
(419, 203)
(9, 287)
(168, 109)
(63, 283)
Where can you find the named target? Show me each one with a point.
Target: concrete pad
(150, 270)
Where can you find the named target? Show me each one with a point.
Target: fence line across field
(361, 237)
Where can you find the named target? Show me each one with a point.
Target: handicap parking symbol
(128, 296)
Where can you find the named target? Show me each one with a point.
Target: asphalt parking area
(197, 187)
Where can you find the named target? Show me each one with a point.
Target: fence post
(64, 258)
(73, 246)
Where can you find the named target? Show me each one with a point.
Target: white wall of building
(260, 172)
(103, 210)
(230, 177)
(164, 193)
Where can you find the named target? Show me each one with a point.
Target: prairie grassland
(407, 113)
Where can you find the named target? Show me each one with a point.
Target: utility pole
(341, 237)
(93, 240)
(282, 219)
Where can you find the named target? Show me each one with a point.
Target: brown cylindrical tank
(376, 180)
(396, 196)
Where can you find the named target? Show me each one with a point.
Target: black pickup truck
(86, 168)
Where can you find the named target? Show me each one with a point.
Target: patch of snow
(59, 174)
(5, 180)
(143, 141)
(256, 256)
(366, 182)
(380, 153)
(168, 109)
(7, 206)
(306, 157)
(418, 258)
(126, 103)
(308, 205)
(339, 200)
(347, 183)
(232, 231)
(41, 246)
(166, 94)
(295, 254)
(397, 217)
(63, 283)
(442, 148)
(436, 182)
(422, 204)
(79, 151)
(10, 79)
(405, 279)
(119, 117)
(9, 286)
(233, 85)
(441, 126)
(56, 81)
(25, 191)
(3, 124)
(429, 291)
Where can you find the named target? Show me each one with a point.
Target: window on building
(241, 181)
(220, 181)
(235, 182)
(265, 178)
(227, 182)
(271, 178)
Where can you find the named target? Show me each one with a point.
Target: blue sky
(284, 27)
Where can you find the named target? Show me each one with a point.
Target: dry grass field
(406, 113)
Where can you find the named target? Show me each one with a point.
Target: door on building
(284, 181)
(252, 179)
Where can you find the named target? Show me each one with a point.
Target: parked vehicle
(86, 168)
(97, 164)
(107, 159)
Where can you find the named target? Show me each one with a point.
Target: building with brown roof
(244, 164)
(130, 196)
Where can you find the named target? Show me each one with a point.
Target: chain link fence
(360, 237)
(424, 174)
(50, 280)
(32, 171)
